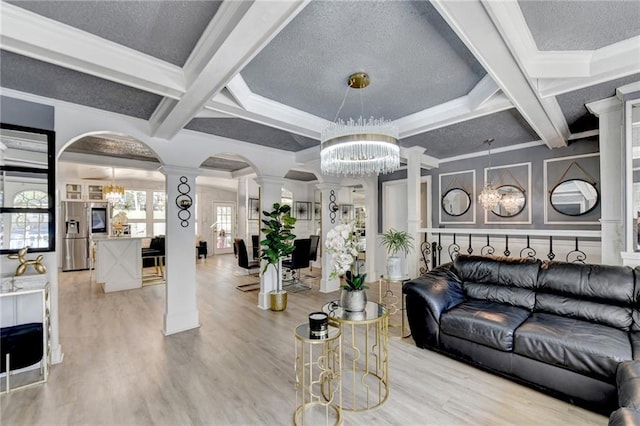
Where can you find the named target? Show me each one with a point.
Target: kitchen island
(119, 263)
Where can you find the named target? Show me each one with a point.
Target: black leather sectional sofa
(559, 327)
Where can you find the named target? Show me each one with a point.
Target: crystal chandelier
(489, 196)
(113, 193)
(359, 147)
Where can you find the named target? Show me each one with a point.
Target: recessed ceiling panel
(414, 59)
(120, 147)
(580, 25)
(506, 127)
(168, 30)
(40, 78)
(301, 176)
(235, 128)
(573, 103)
(218, 163)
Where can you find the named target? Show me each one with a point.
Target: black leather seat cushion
(587, 348)
(484, 322)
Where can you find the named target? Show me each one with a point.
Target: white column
(371, 224)
(270, 192)
(242, 211)
(328, 285)
(181, 312)
(414, 156)
(609, 112)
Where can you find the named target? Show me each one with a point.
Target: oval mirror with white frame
(511, 203)
(574, 197)
(456, 202)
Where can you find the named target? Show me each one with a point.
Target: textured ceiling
(41, 78)
(301, 176)
(507, 128)
(218, 163)
(573, 103)
(168, 30)
(414, 59)
(105, 146)
(580, 25)
(235, 128)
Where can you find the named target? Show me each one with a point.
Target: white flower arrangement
(342, 246)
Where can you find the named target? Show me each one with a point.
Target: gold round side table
(365, 355)
(317, 367)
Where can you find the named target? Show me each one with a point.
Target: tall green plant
(395, 241)
(278, 237)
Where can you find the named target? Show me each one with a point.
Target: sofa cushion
(516, 272)
(634, 338)
(600, 283)
(611, 315)
(587, 348)
(487, 323)
(515, 296)
(628, 380)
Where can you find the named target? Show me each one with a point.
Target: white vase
(394, 268)
(353, 301)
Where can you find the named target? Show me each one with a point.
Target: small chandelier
(113, 193)
(489, 196)
(511, 202)
(359, 147)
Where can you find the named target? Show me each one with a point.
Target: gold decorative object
(37, 265)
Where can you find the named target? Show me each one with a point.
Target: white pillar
(609, 111)
(181, 312)
(329, 193)
(414, 157)
(270, 192)
(371, 225)
(242, 210)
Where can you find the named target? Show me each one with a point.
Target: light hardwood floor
(237, 368)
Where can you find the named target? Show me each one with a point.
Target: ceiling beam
(238, 32)
(476, 29)
(34, 36)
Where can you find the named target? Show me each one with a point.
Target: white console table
(119, 263)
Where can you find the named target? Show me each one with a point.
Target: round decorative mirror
(512, 202)
(456, 202)
(574, 197)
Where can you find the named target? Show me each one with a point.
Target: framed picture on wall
(457, 197)
(254, 209)
(302, 210)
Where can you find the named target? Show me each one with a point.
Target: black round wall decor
(333, 207)
(184, 201)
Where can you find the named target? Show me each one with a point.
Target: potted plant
(394, 242)
(343, 247)
(277, 244)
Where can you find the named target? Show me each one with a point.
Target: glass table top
(372, 312)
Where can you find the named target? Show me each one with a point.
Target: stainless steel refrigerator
(80, 221)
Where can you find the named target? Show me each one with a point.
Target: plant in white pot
(342, 246)
(277, 244)
(394, 242)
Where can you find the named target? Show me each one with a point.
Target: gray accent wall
(536, 155)
(28, 114)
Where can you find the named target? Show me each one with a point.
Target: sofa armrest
(628, 381)
(428, 297)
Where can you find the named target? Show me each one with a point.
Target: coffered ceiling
(449, 73)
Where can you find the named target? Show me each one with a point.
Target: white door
(224, 216)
